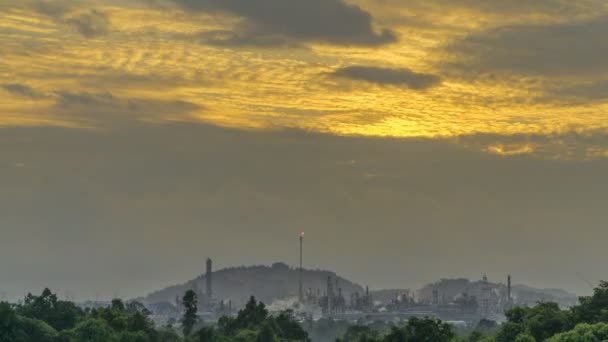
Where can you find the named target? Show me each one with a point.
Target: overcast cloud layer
(148, 134)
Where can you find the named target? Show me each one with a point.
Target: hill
(522, 294)
(266, 283)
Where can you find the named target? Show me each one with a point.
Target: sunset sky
(411, 140)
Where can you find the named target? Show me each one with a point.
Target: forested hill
(266, 283)
(522, 294)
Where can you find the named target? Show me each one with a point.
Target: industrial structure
(209, 282)
(300, 271)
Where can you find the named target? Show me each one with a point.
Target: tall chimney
(208, 276)
(509, 288)
(300, 294)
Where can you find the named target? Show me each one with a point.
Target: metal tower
(300, 294)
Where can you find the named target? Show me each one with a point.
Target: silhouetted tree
(47, 307)
(594, 308)
(421, 330)
(359, 333)
(189, 301)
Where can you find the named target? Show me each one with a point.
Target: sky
(411, 140)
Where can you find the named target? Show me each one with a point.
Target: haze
(411, 140)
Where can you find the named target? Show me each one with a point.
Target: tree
(189, 301)
(287, 328)
(422, 330)
(267, 333)
(583, 333)
(486, 325)
(359, 333)
(206, 334)
(524, 338)
(539, 322)
(475, 336)
(251, 318)
(545, 320)
(169, 335)
(9, 323)
(47, 307)
(93, 330)
(17, 328)
(593, 309)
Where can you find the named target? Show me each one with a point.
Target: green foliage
(167, 335)
(287, 329)
(358, 333)
(245, 335)
(326, 330)
(15, 328)
(93, 330)
(205, 334)
(189, 301)
(524, 338)
(251, 316)
(593, 309)
(539, 322)
(44, 318)
(421, 330)
(267, 333)
(583, 332)
(475, 336)
(59, 314)
(129, 322)
(486, 326)
(254, 320)
(9, 323)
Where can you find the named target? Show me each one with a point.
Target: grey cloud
(387, 76)
(502, 10)
(547, 7)
(231, 39)
(562, 49)
(330, 21)
(21, 90)
(107, 109)
(581, 93)
(54, 9)
(92, 24)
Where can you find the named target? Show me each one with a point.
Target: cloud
(548, 7)
(328, 21)
(21, 90)
(92, 24)
(54, 9)
(581, 93)
(107, 109)
(387, 76)
(561, 49)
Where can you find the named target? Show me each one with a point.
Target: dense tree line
(45, 318)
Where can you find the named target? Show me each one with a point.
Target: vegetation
(545, 322)
(45, 318)
(190, 309)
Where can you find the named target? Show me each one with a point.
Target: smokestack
(509, 288)
(300, 295)
(208, 276)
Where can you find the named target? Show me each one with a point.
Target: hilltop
(266, 283)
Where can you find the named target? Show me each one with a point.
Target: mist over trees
(45, 318)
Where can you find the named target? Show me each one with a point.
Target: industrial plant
(317, 294)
